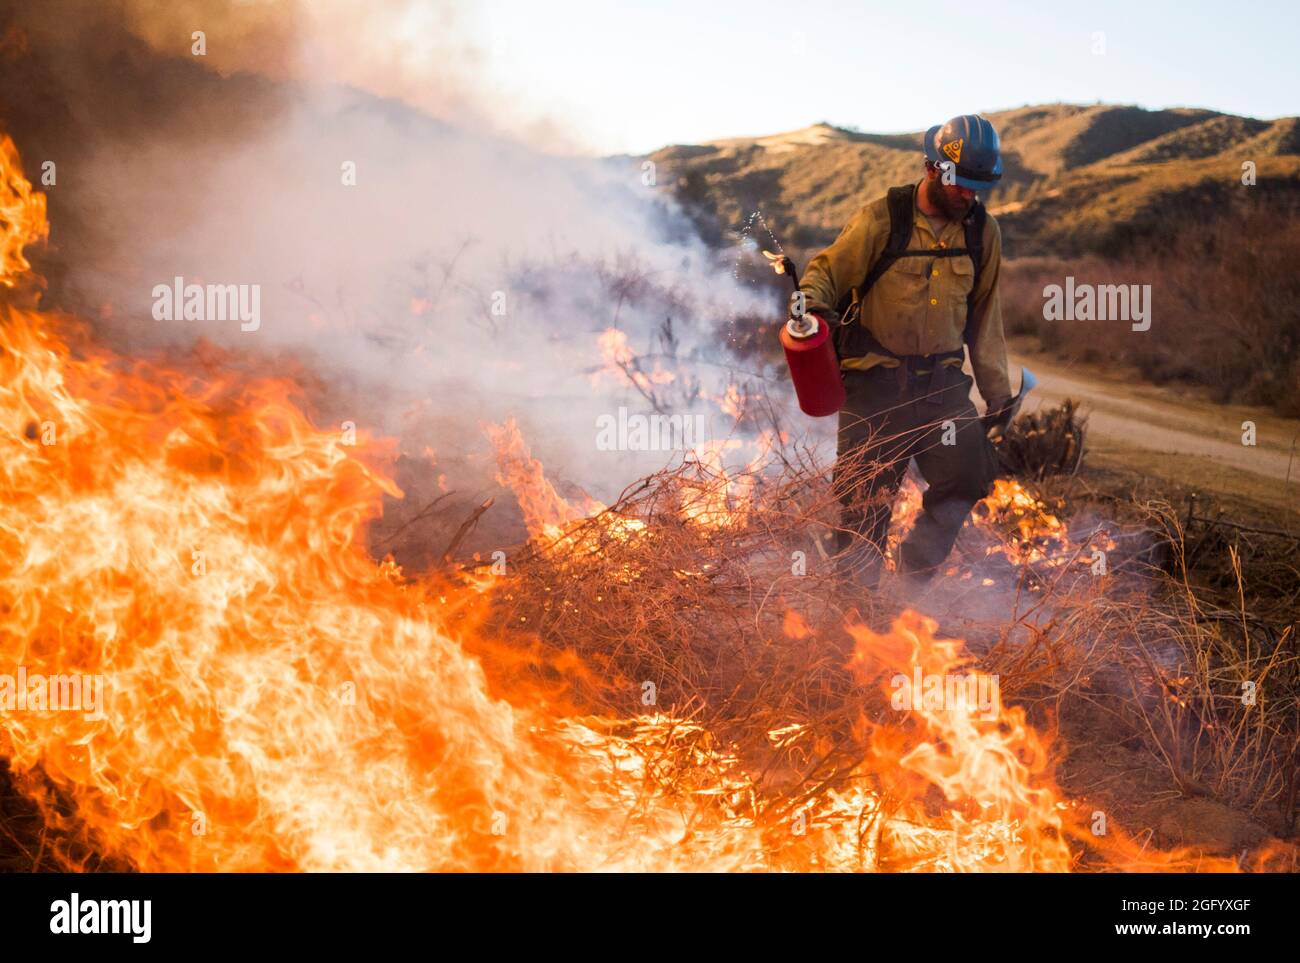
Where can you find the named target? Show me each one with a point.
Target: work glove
(998, 418)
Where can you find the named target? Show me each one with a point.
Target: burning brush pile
(663, 683)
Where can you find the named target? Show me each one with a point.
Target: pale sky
(625, 76)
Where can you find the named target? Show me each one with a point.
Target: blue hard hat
(972, 145)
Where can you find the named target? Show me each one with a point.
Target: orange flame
(988, 762)
(22, 214)
(273, 698)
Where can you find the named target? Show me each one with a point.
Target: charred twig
(466, 527)
(419, 516)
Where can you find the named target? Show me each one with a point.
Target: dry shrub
(1046, 442)
(696, 606)
(1226, 684)
(1225, 305)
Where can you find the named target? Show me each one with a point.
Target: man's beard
(952, 207)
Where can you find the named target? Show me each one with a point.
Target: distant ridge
(1078, 177)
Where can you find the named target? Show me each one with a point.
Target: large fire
(275, 699)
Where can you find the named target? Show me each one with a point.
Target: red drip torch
(814, 368)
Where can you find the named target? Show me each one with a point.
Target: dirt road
(1164, 432)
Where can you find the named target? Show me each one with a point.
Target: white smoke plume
(463, 278)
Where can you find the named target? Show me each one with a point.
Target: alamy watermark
(132, 917)
(21, 692)
(208, 302)
(1098, 302)
(636, 432)
(974, 692)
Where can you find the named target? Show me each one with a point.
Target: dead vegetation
(717, 625)
(1223, 297)
(1042, 443)
(701, 596)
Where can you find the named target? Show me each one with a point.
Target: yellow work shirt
(919, 305)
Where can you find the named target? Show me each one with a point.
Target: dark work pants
(889, 416)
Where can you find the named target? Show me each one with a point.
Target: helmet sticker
(953, 150)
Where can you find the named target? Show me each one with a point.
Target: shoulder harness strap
(900, 235)
(851, 336)
(973, 225)
(850, 331)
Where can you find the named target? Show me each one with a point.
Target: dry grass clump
(676, 598)
(1229, 725)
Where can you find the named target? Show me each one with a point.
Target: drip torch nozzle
(782, 264)
(800, 325)
(803, 326)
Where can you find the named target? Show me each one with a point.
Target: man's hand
(998, 418)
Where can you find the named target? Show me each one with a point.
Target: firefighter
(913, 278)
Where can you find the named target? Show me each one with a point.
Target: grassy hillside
(1109, 194)
(1077, 178)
